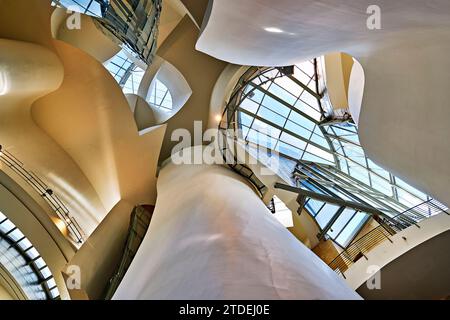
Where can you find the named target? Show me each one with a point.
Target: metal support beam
(325, 198)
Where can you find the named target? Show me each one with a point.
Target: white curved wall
(173, 79)
(218, 241)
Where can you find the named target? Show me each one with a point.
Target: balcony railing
(45, 192)
(387, 228)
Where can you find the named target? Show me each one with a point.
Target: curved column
(219, 241)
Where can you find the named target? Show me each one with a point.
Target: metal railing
(359, 248)
(387, 228)
(135, 24)
(415, 214)
(229, 130)
(139, 223)
(45, 192)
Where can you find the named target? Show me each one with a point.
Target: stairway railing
(44, 191)
(228, 129)
(359, 248)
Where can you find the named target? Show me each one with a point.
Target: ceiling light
(273, 30)
(4, 87)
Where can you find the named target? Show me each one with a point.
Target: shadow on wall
(421, 273)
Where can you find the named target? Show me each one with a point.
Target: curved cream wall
(219, 241)
(338, 68)
(30, 71)
(45, 237)
(222, 91)
(88, 38)
(403, 122)
(67, 119)
(4, 295)
(90, 118)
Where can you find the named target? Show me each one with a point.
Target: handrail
(55, 203)
(228, 122)
(139, 223)
(384, 231)
(358, 249)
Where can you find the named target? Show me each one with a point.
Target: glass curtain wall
(283, 112)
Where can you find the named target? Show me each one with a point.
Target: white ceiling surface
(235, 31)
(403, 120)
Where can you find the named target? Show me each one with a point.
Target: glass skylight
(282, 112)
(120, 66)
(24, 263)
(89, 7)
(127, 74)
(134, 80)
(160, 96)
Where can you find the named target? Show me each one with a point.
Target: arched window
(168, 90)
(24, 263)
(160, 96)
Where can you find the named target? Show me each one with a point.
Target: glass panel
(6, 226)
(326, 214)
(352, 229)
(160, 96)
(313, 206)
(341, 222)
(276, 106)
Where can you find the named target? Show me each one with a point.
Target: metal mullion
(262, 105)
(368, 169)
(343, 128)
(338, 187)
(334, 186)
(394, 189)
(164, 97)
(360, 183)
(238, 105)
(88, 6)
(260, 133)
(281, 128)
(359, 230)
(318, 211)
(305, 87)
(278, 99)
(347, 223)
(330, 223)
(383, 196)
(309, 140)
(370, 178)
(328, 199)
(9, 232)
